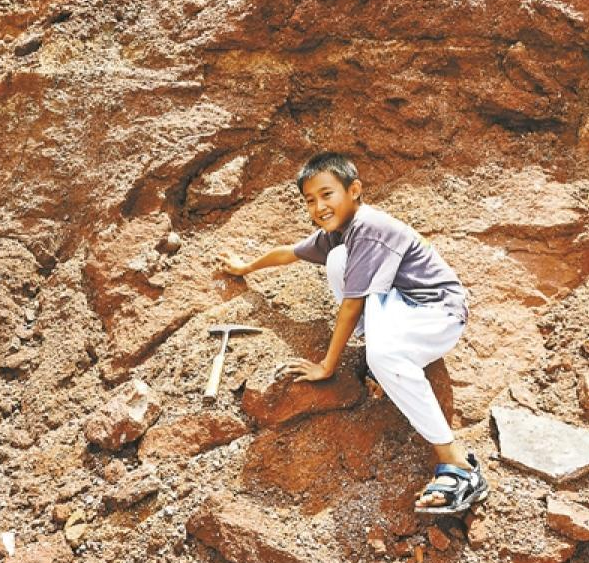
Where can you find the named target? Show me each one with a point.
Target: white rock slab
(553, 449)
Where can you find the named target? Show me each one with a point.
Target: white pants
(401, 339)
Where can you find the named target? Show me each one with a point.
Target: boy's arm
(279, 256)
(347, 318)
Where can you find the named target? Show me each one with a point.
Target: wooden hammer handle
(214, 379)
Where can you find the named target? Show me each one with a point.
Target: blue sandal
(469, 487)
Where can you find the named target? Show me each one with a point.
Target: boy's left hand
(309, 371)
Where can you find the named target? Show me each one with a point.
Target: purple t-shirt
(383, 253)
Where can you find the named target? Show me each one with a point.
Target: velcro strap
(452, 471)
(439, 489)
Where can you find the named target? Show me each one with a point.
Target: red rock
(316, 455)
(242, 533)
(132, 488)
(583, 387)
(376, 540)
(568, 518)
(478, 533)
(140, 301)
(553, 550)
(438, 538)
(115, 471)
(219, 188)
(20, 439)
(53, 549)
(124, 418)
(438, 376)
(191, 434)
(402, 549)
(282, 399)
(61, 512)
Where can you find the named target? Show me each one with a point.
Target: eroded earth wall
(123, 122)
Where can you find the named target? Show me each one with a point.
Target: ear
(355, 190)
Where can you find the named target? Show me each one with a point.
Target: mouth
(326, 216)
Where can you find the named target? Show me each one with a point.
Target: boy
(394, 288)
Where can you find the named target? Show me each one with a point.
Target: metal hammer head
(222, 329)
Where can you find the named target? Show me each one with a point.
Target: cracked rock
(553, 449)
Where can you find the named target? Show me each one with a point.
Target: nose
(320, 205)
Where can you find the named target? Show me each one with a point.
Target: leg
(401, 340)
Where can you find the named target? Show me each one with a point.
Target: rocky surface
(140, 138)
(557, 451)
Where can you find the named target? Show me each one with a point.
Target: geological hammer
(215, 377)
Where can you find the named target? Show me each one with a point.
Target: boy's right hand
(232, 264)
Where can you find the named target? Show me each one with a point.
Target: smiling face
(329, 203)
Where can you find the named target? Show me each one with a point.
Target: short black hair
(336, 163)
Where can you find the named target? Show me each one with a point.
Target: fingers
(298, 366)
(229, 263)
(302, 378)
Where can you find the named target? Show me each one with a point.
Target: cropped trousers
(401, 339)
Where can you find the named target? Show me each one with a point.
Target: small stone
(218, 189)
(134, 487)
(173, 242)
(169, 511)
(21, 439)
(568, 518)
(28, 45)
(438, 538)
(74, 535)
(375, 540)
(554, 365)
(115, 471)
(191, 434)
(61, 512)
(76, 517)
(477, 533)
(402, 549)
(19, 360)
(7, 544)
(583, 387)
(51, 549)
(124, 418)
(30, 315)
(24, 333)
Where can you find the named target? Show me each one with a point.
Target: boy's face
(330, 205)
